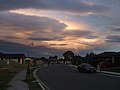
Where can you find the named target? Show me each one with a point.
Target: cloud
(29, 22)
(39, 51)
(44, 39)
(10, 47)
(35, 28)
(12, 37)
(58, 44)
(40, 29)
(113, 38)
(57, 5)
(35, 51)
(91, 37)
(76, 33)
(23, 26)
(114, 28)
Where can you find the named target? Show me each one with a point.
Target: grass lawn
(7, 72)
(5, 78)
(113, 69)
(33, 85)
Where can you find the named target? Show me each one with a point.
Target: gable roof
(12, 56)
(108, 54)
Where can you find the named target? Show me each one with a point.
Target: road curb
(111, 73)
(74, 66)
(42, 85)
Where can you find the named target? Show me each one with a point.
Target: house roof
(108, 54)
(12, 55)
(85, 58)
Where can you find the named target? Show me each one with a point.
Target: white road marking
(109, 75)
(43, 86)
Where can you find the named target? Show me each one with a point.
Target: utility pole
(29, 49)
(28, 52)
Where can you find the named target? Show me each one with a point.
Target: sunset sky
(54, 26)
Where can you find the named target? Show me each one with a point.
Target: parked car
(86, 68)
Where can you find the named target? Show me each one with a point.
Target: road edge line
(42, 85)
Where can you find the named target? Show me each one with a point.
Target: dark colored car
(86, 68)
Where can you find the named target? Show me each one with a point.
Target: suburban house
(107, 59)
(112, 57)
(14, 57)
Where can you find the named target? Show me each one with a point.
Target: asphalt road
(63, 77)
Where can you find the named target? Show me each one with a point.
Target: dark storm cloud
(62, 34)
(91, 37)
(58, 44)
(40, 51)
(10, 47)
(116, 29)
(44, 39)
(113, 38)
(77, 33)
(43, 28)
(24, 22)
(12, 37)
(61, 5)
(40, 39)
(36, 51)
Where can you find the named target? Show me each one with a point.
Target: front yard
(7, 72)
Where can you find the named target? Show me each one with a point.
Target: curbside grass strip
(43, 86)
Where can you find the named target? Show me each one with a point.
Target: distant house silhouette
(107, 57)
(113, 57)
(14, 57)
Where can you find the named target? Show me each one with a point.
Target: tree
(68, 55)
(92, 54)
(87, 55)
(55, 57)
(51, 58)
(44, 59)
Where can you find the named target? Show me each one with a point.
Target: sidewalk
(17, 82)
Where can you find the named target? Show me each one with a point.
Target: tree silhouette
(55, 57)
(92, 54)
(68, 55)
(51, 58)
(87, 55)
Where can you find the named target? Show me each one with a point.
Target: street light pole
(28, 51)
(29, 48)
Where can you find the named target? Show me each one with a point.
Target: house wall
(21, 61)
(15, 60)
